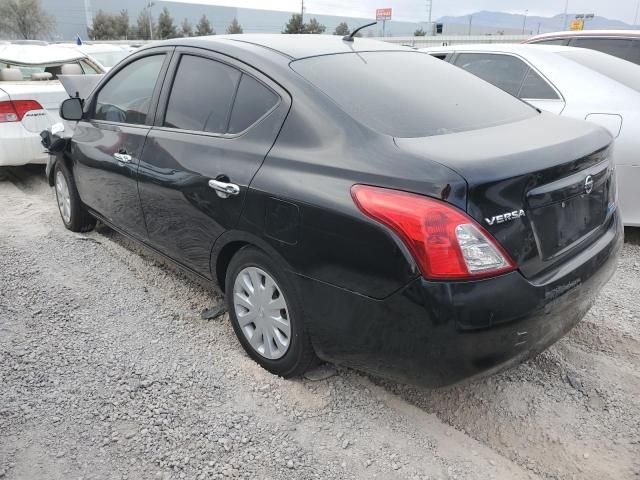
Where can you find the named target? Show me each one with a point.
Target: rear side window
(503, 71)
(536, 88)
(126, 97)
(410, 94)
(253, 101)
(553, 41)
(202, 95)
(618, 47)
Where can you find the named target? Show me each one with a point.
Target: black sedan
(356, 201)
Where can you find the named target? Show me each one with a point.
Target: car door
(107, 143)
(216, 122)
(513, 75)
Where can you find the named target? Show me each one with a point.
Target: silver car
(572, 82)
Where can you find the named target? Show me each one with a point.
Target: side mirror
(71, 109)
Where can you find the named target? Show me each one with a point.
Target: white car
(572, 82)
(105, 55)
(30, 96)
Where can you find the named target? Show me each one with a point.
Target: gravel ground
(107, 370)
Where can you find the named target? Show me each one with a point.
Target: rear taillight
(444, 241)
(15, 110)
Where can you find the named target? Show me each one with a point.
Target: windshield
(109, 59)
(410, 94)
(615, 68)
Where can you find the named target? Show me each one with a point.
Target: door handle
(224, 189)
(122, 157)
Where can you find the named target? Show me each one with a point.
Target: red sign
(383, 14)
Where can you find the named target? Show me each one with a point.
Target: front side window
(126, 97)
(202, 95)
(503, 71)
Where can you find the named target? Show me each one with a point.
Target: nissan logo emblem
(588, 184)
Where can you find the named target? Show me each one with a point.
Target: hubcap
(64, 199)
(262, 312)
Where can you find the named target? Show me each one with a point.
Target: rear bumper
(20, 146)
(438, 333)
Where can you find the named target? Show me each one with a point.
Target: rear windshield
(619, 70)
(410, 94)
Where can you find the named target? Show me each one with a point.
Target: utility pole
(635, 20)
(470, 23)
(429, 8)
(566, 15)
(302, 10)
(524, 22)
(149, 5)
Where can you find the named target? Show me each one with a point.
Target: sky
(415, 10)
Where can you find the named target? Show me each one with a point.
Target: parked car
(623, 44)
(572, 82)
(420, 233)
(30, 96)
(104, 54)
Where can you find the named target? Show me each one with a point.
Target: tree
(204, 27)
(142, 25)
(342, 29)
(314, 27)
(419, 33)
(186, 30)
(166, 28)
(234, 27)
(121, 25)
(25, 19)
(295, 24)
(103, 27)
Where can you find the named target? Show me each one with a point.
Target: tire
(74, 215)
(264, 339)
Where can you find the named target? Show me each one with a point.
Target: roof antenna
(349, 38)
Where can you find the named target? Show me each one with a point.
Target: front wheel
(266, 315)
(74, 215)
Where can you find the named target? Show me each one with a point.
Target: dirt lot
(108, 371)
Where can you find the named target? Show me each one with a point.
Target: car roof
(37, 54)
(587, 33)
(292, 46)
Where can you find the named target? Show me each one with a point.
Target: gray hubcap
(262, 313)
(64, 199)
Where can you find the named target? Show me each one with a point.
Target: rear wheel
(266, 315)
(74, 216)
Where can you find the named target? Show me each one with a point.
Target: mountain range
(511, 21)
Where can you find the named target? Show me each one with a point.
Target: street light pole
(524, 22)
(566, 14)
(470, 23)
(149, 5)
(635, 20)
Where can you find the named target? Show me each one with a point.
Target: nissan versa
(358, 202)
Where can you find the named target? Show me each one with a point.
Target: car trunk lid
(49, 94)
(528, 181)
